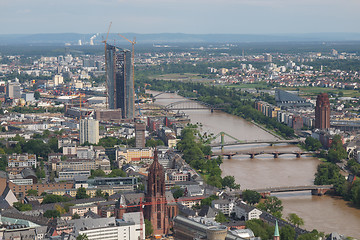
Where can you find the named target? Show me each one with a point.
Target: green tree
(287, 233)
(52, 214)
(82, 237)
(229, 181)
(32, 192)
(178, 193)
(251, 197)
(81, 193)
(207, 201)
(22, 207)
(221, 218)
(148, 228)
(75, 216)
(117, 173)
(312, 144)
(295, 219)
(99, 193)
(272, 205)
(37, 95)
(97, 173)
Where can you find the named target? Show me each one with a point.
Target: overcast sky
(179, 16)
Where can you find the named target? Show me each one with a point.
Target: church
(160, 206)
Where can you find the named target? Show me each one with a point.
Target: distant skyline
(179, 16)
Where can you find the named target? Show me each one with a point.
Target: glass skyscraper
(119, 80)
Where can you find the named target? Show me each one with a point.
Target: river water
(324, 213)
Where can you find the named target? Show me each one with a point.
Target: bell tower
(156, 212)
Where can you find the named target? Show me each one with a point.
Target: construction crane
(105, 41)
(133, 42)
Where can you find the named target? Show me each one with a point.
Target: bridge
(253, 154)
(236, 141)
(315, 189)
(241, 142)
(188, 105)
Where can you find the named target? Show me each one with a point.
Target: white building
(58, 80)
(22, 160)
(224, 205)
(246, 212)
(89, 131)
(13, 89)
(111, 229)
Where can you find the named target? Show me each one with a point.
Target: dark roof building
(289, 100)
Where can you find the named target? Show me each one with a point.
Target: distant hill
(163, 38)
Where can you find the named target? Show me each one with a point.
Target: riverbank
(325, 213)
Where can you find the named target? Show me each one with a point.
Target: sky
(179, 16)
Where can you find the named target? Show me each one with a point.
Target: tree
(295, 219)
(312, 144)
(221, 218)
(75, 216)
(251, 197)
(117, 173)
(82, 237)
(99, 193)
(52, 214)
(32, 192)
(229, 181)
(148, 228)
(287, 233)
(37, 95)
(272, 205)
(60, 209)
(81, 193)
(178, 193)
(207, 201)
(22, 207)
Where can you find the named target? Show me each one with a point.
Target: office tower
(322, 111)
(140, 134)
(13, 89)
(119, 79)
(89, 131)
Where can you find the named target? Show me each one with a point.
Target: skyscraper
(89, 131)
(322, 111)
(119, 80)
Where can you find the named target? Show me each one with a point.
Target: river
(325, 213)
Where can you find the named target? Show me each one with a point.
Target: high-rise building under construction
(119, 80)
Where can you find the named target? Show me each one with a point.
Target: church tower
(276, 233)
(156, 212)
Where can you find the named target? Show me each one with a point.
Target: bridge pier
(212, 110)
(276, 155)
(298, 155)
(265, 194)
(319, 191)
(252, 155)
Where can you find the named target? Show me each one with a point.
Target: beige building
(134, 155)
(89, 131)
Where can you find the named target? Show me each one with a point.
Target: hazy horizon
(180, 16)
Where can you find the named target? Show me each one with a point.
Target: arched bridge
(188, 105)
(253, 154)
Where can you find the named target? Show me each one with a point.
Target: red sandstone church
(160, 206)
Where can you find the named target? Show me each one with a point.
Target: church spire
(276, 233)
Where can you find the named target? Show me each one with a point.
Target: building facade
(89, 131)
(119, 80)
(322, 111)
(140, 134)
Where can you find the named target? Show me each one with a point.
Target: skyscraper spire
(276, 233)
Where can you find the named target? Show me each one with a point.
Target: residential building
(22, 160)
(140, 128)
(13, 89)
(246, 212)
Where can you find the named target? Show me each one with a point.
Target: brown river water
(324, 213)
